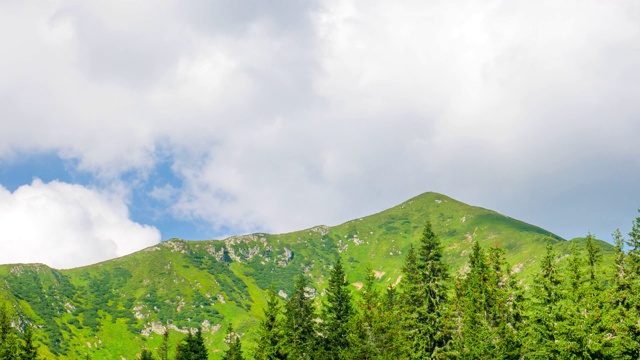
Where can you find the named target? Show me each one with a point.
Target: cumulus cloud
(64, 225)
(277, 118)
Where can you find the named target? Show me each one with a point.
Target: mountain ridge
(178, 284)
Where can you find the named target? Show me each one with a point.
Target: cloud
(65, 225)
(276, 118)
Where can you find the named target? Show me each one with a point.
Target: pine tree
(192, 347)
(298, 326)
(594, 257)
(198, 348)
(235, 347)
(146, 355)
(545, 314)
(269, 345)
(183, 349)
(163, 349)
(620, 308)
(575, 273)
(486, 308)
(508, 307)
(336, 313)
(633, 242)
(374, 327)
(472, 297)
(28, 350)
(620, 277)
(424, 299)
(633, 261)
(581, 332)
(623, 318)
(9, 342)
(363, 329)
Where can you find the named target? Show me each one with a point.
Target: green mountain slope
(112, 309)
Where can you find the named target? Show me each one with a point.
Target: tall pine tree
(487, 308)
(425, 313)
(9, 341)
(235, 347)
(299, 323)
(374, 328)
(270, 345)
(544, 314)
(192, 348)
(28, 349)
(163, 349)
(336, 314)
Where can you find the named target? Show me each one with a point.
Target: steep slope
(111, 309)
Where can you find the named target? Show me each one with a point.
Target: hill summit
(112, 309)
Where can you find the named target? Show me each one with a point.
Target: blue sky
(123, 127)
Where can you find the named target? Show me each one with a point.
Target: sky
(125, 123)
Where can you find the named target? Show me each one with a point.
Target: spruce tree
(192, 347)
(620, 273)
(472, 293)
(235, 347)
(146, 355)
(269, 345)
(374, 325)
(633, 242)
(163, 349)
(28, 350)
(183, 349)
(198, 348)
(425, 313)
(620, 307)
(545, 314)
(336, 313)
(594, 257)
(486, 308)
(508, 306)
(9, 342)
(575, 271)
(298, 326)
(633, 260)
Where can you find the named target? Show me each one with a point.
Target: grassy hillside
(112, 309)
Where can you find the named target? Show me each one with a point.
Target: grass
(179, 282)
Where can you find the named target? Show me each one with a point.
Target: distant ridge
(119, 305)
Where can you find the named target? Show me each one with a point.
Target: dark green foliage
(9, 342)
(594, 257)
(230, 282)
(584, 302)
(235, 347)
(298, 327)
(336, 314)
(45, 300)
(545, 312)
(633, 243)
(270, 344)
(487, 308)
(163, 349)
(12, 347)
(374, 329)
(28, 349)
(146, 355)
(425, 317)
(192, 347)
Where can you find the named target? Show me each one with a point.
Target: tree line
(569, 311)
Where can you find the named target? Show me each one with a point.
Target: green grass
(181, 282)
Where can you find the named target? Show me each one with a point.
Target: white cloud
(279, 118)
(64, 225)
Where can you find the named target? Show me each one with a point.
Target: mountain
(112, 309)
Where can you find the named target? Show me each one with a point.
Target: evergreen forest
(582, 303)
